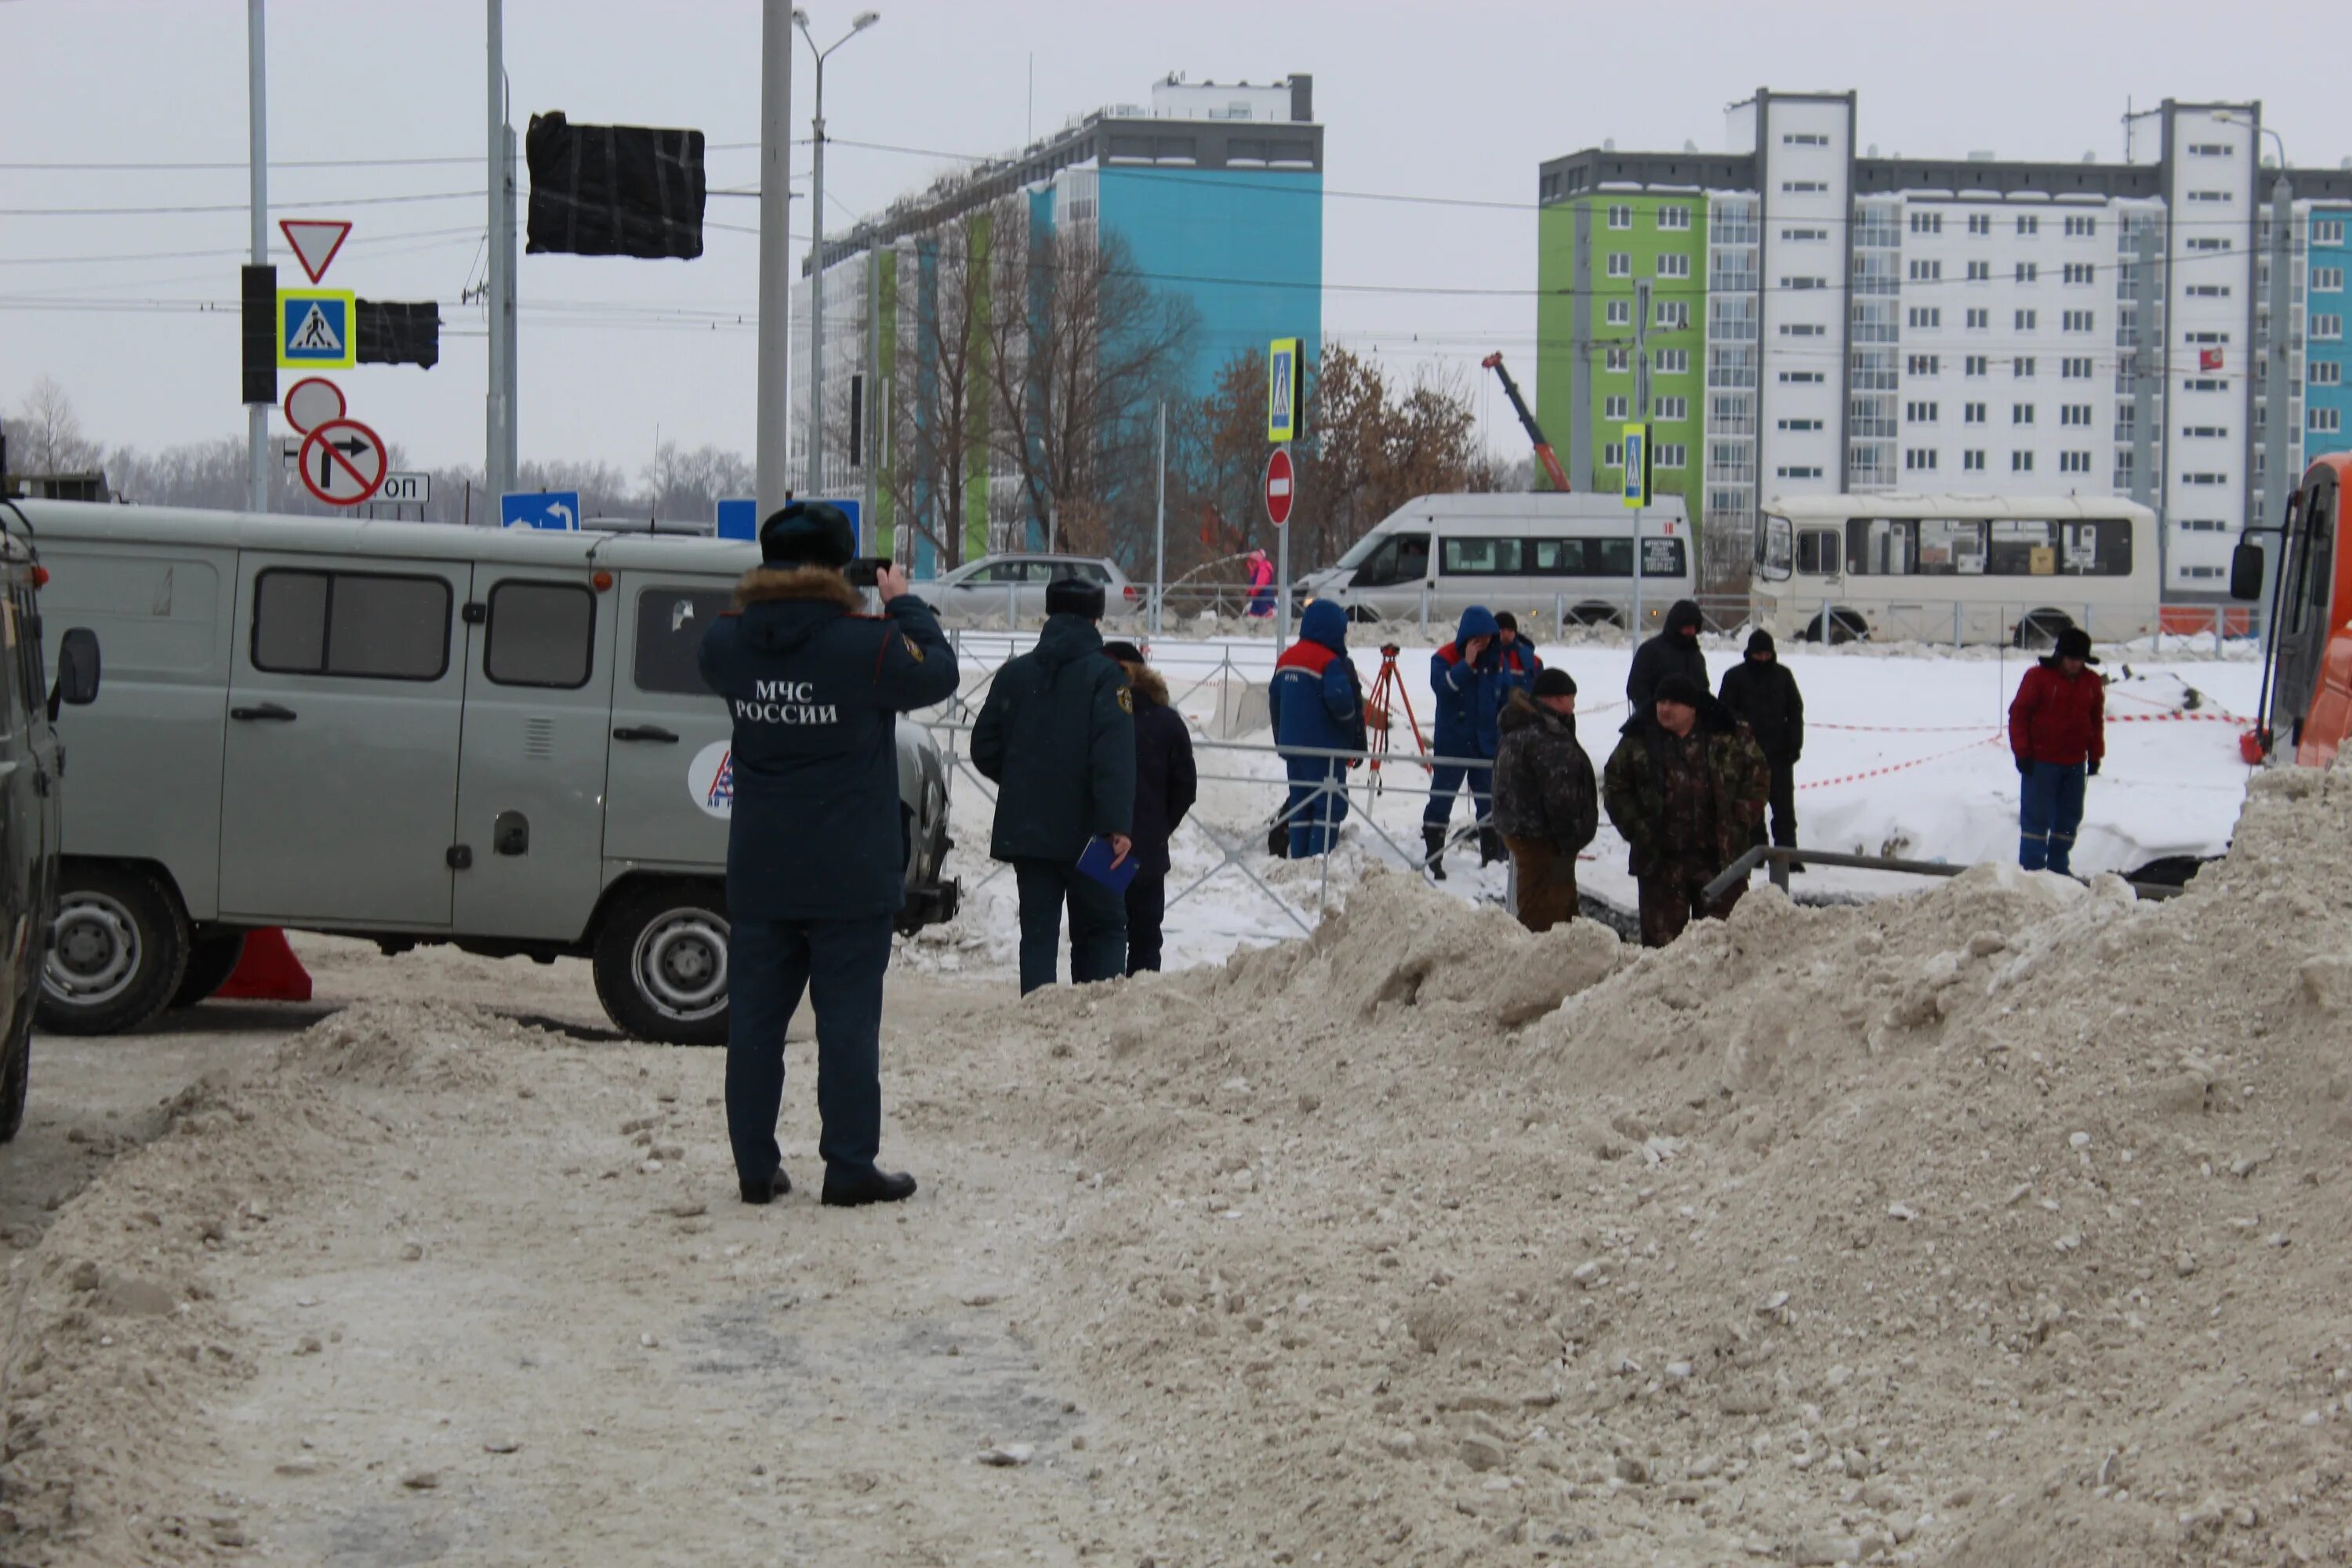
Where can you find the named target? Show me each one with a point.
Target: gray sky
(1461, 101)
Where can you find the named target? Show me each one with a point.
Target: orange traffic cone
(268, 971)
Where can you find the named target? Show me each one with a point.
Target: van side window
(670, 623)
(541, 634)
(1479, 557)
(372, 625)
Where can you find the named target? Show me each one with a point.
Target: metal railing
(1779, 858)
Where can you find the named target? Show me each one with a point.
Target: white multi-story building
(1970, 324)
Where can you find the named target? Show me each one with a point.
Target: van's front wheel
(661, 965)
(119, 951)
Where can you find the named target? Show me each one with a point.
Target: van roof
(1529, 507)
(369, 537)
(1959, 508)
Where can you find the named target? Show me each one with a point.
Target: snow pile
(1994, 1223)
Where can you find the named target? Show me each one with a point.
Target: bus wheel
(2040, 630)
(1842, 626)
(1595, 615)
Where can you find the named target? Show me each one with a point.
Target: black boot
(776, 1187)
(874, 1187)
(1277, 841)
(1490, 847)
(1434, 839)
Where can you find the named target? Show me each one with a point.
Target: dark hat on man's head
(1070, 596)
(1682, 688)
(1124, 652)
(808, 534)
(1506, 621)
(2076, 643)
(1554, 682)
(1759, 641)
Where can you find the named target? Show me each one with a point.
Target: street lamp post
(863, 20)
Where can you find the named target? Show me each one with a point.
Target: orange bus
(2307, 666)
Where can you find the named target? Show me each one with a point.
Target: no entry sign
(1278, 487)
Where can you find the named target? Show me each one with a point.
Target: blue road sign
(314, 328)
(557, 510)
(740, 519)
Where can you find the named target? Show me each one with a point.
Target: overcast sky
(1460, 100)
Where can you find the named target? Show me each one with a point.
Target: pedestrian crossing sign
(316, 329)
(1285, 390)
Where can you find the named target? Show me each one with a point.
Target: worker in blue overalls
(815, 863)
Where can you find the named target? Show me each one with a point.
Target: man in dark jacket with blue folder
(1057, 737)
(815, 865)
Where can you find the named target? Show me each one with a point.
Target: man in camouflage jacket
(1687, 787)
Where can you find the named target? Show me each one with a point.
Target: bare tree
(938, 407)
(686, 486)
(1084, 351)
(45, 437)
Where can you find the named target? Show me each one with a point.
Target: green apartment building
(1598, 249)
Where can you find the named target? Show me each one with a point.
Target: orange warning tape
(1899, 767)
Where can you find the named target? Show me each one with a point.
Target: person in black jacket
(1761, 693)
(1166, 784)
(1673, 651)
(1057, 737)
(815, 866)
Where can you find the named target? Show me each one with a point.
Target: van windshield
(1360, 551)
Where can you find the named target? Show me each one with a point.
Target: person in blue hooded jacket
(815, 864)
(1317, 702)
(1465, 676)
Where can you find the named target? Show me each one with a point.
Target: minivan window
(670, 623)
(372, 625)
(1479, 557)
(541, 634)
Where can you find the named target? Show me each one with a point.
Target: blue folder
(1095, 862)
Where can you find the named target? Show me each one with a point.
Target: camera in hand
(864, 570)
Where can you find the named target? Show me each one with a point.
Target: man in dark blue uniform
(815, 862)
(1057, 737)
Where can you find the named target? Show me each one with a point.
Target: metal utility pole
(2146, 371)
(774, 482)
(863, 20)
(1159, 528)
(1641, 414)
(498, 414)
(2278, 433)
(256, 414)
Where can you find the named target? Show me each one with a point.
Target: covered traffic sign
(315, 242)
(317, 330)
(341, 462)
(1278, 487)
(312, 401)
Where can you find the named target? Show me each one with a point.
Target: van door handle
(268, 712)
(637, 732)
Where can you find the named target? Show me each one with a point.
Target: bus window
(2100, 549)
(1479, 557)
(1554, 557)
(1817, 553)
(1608, 558)
(1772, 550)
(2020, 549)
(1949, 548)
(1398, 558)
(1882, 547)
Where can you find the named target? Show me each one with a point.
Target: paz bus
(2308, 657)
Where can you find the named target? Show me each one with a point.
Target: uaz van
(418, 732)
(1533, 554)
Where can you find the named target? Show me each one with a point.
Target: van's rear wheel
(1837, 626)
(661, 965)
(2039, 629)
(1595, 615)
(211, 959)
(119, 954)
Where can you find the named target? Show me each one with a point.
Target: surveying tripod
(1387, 688)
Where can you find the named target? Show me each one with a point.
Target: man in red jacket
(2057, 727)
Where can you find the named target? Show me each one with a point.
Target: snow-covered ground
(1905, 754)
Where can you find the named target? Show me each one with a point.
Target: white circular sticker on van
(710, 778)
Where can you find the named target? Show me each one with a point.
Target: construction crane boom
(1544, 454)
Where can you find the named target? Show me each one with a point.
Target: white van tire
(212, 957)
(661, 963)
(119, 951)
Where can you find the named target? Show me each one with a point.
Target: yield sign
(1278, 486)
(315, 242)
(341, 462)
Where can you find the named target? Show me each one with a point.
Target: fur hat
(808, 534)
(1682, 688)
(1554, 682)
(2076, 643)
(1070, 596)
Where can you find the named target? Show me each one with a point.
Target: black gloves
(2095, 767)
(2024, 768)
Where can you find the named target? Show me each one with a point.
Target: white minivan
(1553, 556)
